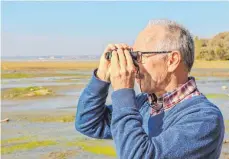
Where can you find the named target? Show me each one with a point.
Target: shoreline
(23, 65)
(26, 69)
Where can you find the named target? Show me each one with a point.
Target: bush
(216, 48)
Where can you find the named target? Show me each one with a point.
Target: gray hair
(177, 38)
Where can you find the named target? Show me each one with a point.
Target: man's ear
(174, 59)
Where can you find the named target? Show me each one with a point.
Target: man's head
(158, 72)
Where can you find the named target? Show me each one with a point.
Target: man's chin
(146, 90)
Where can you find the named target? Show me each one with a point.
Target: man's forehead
(148, 38)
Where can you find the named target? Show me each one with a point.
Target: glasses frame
(148, 52)
(134, 55)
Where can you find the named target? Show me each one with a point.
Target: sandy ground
(12, 65)
(44, 65)
(200, 68)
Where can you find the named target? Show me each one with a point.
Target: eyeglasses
(139, 57)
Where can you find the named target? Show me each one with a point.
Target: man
(170, 118)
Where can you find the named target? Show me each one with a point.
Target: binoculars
(133, 54)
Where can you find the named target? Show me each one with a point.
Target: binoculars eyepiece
(133, 54)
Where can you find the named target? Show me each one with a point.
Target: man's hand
(122, 69)
(103, 71)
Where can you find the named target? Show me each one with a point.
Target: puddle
(41, 81)
(39, 104)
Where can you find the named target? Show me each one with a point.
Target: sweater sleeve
(195, 135)
(93, 116)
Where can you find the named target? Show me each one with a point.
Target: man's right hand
(103, 72)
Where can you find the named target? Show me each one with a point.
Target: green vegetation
(94, 146)
(26, 146)
(221, 96)
(210, 73)
(16, 75)
(63, 119)
(16, 139)
(26, 92)
(56, 116)
(216, 48)
(23, 143)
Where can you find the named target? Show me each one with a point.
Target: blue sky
(74, 28)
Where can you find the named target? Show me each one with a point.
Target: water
(40, 104)
(66, 100)
(40, 81)
(52, 58)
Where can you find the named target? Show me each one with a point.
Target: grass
(26, 146)
(15, 75)
(26, 92)
(19, 68)
(63, 119)
(211, 64)
(217, 96)
(10, 75)
(17, 139)
(87, 65)
(210, 74)
(57, 65)
(95, 146)
(23, 143)
(56, 116)
(98, 147)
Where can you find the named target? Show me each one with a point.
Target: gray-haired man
(170, 118)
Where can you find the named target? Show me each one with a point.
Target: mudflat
(40, 99)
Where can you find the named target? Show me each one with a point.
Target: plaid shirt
(170, 99)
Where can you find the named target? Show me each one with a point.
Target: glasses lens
(136, 56)
(139, 57)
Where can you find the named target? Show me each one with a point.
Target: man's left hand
(122, 69)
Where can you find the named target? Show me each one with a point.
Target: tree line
(216, 48)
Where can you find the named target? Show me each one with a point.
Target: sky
(39, 28)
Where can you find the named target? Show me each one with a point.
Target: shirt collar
(170, 99)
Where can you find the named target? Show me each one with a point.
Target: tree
(216, 48)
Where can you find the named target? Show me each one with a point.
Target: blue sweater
(194, 128)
